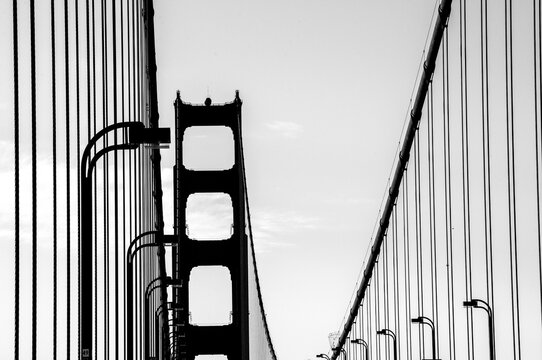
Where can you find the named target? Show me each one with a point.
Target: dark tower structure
(232, 339)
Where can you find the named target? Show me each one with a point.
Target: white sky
(325, 88)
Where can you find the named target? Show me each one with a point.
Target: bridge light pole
(164, 281)
(148, 291)
(390, 333)
(137, 134)
(130, 254)
(323, 356)
(481, 304)
(342, 350)
(168, 306)
(423, 320)
(364, 344)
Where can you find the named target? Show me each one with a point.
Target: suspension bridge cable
(396, 281)
(536, 62)
(537, 100)
(131, 92)
(465, 171)
(115, 180)
(106, 229)
(486, 152)
(78, 147)
(377, 309)
(16, 175)
(419, 248)
(406, 263)
(371, 334)
(511, 178)
(252, 249)
(55, 221)
(34, 177)
(448, 197)
(433, 223)
(95, 184)
(123, 109)
(68, 207)
(385, 265)
(415, 116)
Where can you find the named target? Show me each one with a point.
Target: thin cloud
(271, 228)
(286, 128)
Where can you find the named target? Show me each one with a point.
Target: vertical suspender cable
(486, 153)
(397, 323)
(68, 217)
(406, 263)
(373, 346)
(377, 310)
(537, 38)
(131, 234)
(122, 106)
(139, 177)
(16, 171)
(511, 179)
(465, 170)
(386, 290)
(34, 182)
(115, 181)
(78, 139)
(55, 220)
(105, 86)
(95, 182)
(448, 199)
(419, 248)
(432, 210)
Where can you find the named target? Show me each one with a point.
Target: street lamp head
(471, 303)
(417, 320)
(142, 135)
(355, 341)
(381, 332)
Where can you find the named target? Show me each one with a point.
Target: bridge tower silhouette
(232, 339)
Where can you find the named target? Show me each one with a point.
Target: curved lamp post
(364, 344)
(423, 320)
(148, 291)
(137, 134)
(128, 283)
(390, 333)
(165, 281)
(168, 306)
(130, 254)
(324, 356)
(481, 304)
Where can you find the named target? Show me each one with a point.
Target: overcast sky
(325, 88)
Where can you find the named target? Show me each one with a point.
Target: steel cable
(55, 222)
(34, 178)
(537, 63)
(511, 179)
(16, 177)
(465, 172)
